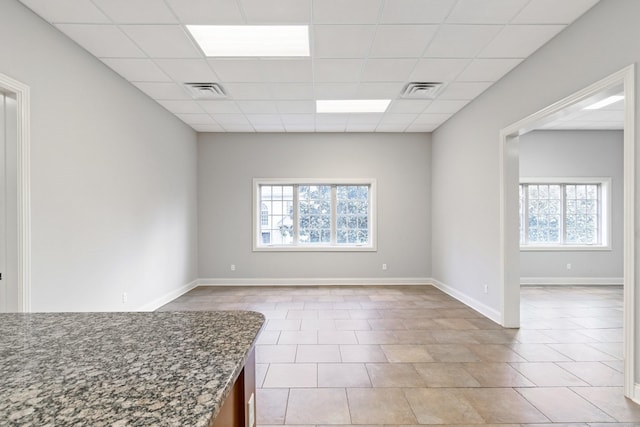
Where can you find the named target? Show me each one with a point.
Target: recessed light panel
(251, 40)
(607, 101)
(352, 105)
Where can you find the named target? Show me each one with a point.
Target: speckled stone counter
(121, 369)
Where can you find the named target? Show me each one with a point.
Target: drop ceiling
(360, 49)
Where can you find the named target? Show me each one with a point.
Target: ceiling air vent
(421, 90)
(206, 90)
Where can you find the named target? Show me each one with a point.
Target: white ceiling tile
(463, 90)
(361, 127)
(553, 11)
(257, 107)
(520, 41)
(239, 128)
(336, 119)
(161, 90)
(219, 107)
(437, 69)
(162, 41)
(137, 11)
(485, 11)
(461, 41)
(401, 41)
(187, 70)
(269, 128)
(387, 70)
(418, 127)
(365, 118)
(391, 127)
(342, 41)
(445, 107)
(292, 107)
(405, 106)
(208, 128)
(67, 11)
(231, 119)
(292, 91)
(207, 11)
(300, 127)
(337, 70)
(384, 90)
(346, 11)
(298, 119)
(288, 70)
(426, 119)
(416, 11)
(331, 127)
(248, 90)
(238, 70)
(405, 119)
(335, 90)
(103, 41)
(488, 70)
(264, 119)
(182, 107)
(137, 70)
(277, 11)
(197, 119)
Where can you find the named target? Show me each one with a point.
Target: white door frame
(21, 92)
(509, 233)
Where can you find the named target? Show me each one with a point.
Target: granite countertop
(121, 369)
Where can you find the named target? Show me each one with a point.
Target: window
(311, 214)
(564, 213)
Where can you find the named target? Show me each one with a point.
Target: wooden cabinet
(238, 409)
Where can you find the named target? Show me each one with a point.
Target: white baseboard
(315, 281)
(571, 281)
(473, 303)
(159, 302)
(636, 393)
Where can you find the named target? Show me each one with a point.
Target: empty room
(312, 213)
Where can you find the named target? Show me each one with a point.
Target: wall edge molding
(572, 281)
(472, 303)
(168, 297)
(314, 281)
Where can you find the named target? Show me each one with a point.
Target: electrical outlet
(384, 266)
(486, 289)
(124, 297)
(233, 267)
(568, 266)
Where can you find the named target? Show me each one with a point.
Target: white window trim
(255, 235)
(605, 213)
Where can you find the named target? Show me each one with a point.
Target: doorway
(15, 219)
(509, 197)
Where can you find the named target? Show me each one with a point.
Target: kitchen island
(128, 369)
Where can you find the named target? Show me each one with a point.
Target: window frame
(605, 209)
(256, 234)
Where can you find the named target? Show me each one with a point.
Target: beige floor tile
(451, 353)
(612, 401)
(289, 375)
(420, 324)
(548, 374)
(495, 353)
(261, 372)
(275, 353)
(581, 352)
(441, 406)
(362, 353)
(459, 324)
(539, 353)
(318, 406)
(268, 337)
(343, 375)
(298, 337)
(337, 337)
(595, 373)
(271, 405)
(352, 325)
(497, 375)
(502, 405)
(386, 324)
(318, 353)
(394, 375)
(302, 314)
(317, 324)
(333, 314)
(406, 353)
(560, 404)
(364, 314)
(282, 325)
(387, 406)
(445, 375)
(415, 337)
(377, 337)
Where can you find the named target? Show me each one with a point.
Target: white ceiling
(359, 49)
(610, 117)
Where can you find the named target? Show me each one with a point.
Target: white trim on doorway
(509, 233)
(22, 94)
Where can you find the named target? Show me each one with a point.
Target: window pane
(582, 219)
(314, 214)
(276, 214)
(352, 220)
(543, 207)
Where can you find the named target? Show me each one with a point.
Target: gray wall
(466, 164)
(113, 182)
(400, 163)
(586, 153)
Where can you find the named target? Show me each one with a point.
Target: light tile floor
(411, 355)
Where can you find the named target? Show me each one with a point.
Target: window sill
(565, 248)
(314, 249)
